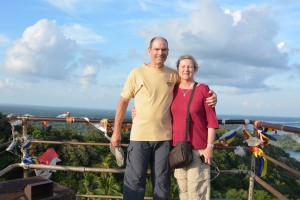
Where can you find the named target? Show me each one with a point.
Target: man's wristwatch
(210, 145)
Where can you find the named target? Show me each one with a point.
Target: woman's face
(186, 69)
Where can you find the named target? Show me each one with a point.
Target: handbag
(181, 155)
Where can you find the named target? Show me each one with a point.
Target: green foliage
(237, 194)
(263, 195)
(174, 188)
(148, 190)
(94, 135)
(5, 130)
(90, 183)
(9, 158)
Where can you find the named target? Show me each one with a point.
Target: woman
(194, 180)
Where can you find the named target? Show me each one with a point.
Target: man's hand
(212, 100)
(116, 139)
(120, 113)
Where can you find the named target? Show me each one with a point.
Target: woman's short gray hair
(196, 67)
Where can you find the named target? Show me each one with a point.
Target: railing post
(251, 179)
(24, 133)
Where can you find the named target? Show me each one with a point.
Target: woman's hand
(133, 113)
(208, 154)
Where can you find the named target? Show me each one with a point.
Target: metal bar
(232, 171)
(5, 144)
(70, 143)
(111, 197)
(229, 121)
(74, 143)
(107, 144)
(279, 127)
(236, 121)
(230, 147)
(89, 169)
(269, 188)
(76, 169)
(9, 168)
(125, 145)
(99, 196)
(297, 173)
(4, 120)
(54, 119)
(62, 168)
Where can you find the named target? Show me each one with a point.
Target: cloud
(4, 39)
(78, 6)
(259, 105)
(90, 61)
(88, 66)
(151, 5)
(236, 16)
(43, 51)
(236, 49)
(280, 45)
(6, 83)
(49, 51)
(88, 76)
(295, 51)
(245, 103)
(65, 5)
(81, 34)
(133, 53)
(10, 84)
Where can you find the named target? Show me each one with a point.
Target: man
(151, 85)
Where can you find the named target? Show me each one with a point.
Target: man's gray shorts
(139, 155)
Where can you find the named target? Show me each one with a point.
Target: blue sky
(78, 53)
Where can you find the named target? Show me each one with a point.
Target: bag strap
(187, 125)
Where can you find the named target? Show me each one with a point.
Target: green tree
(237, 194)
(263, 195)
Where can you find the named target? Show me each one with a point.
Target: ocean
(294, 154)
(47, 111)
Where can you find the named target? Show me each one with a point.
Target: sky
(78, 53)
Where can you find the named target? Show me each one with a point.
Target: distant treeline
(289, 141)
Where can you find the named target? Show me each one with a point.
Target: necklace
(184, 93)
(189, 88)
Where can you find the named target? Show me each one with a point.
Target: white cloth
(119, 154)
(116, 151)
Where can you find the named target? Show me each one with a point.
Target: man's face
(159, 51)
